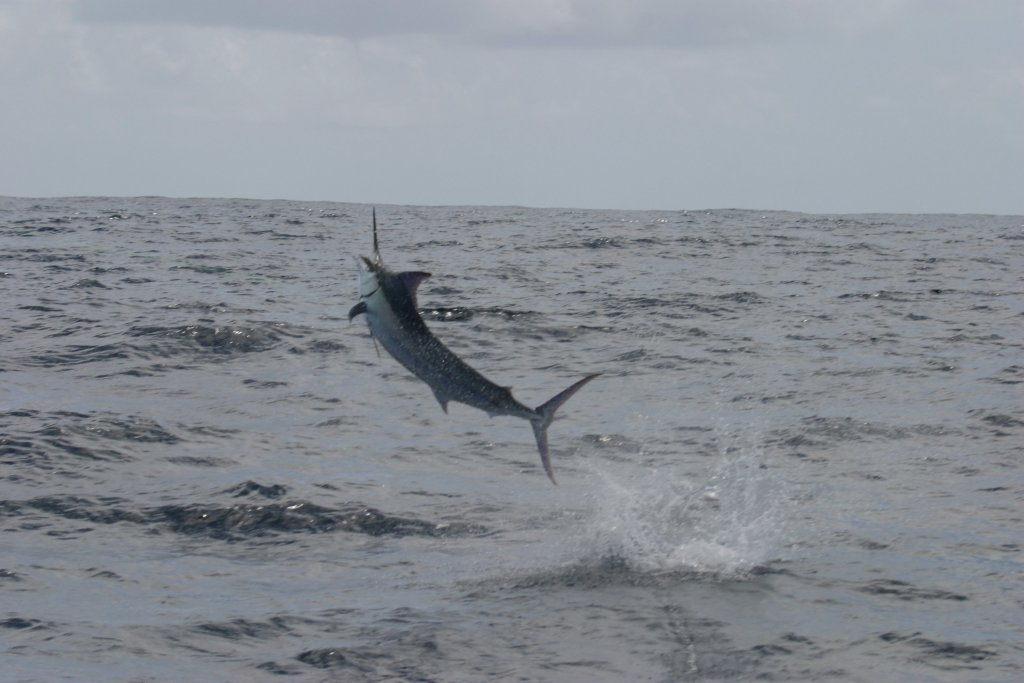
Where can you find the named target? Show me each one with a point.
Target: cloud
(790, 103)
(505, 23)
(348, 18)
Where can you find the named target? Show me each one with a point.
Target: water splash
(729, 523)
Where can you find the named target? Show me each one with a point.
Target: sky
(911, 106)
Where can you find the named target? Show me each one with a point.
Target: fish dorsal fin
(412, 279)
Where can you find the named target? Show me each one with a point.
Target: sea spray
(727, 523)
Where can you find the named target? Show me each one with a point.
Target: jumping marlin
(389, 302)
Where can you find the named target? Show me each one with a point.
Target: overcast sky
(809, 105)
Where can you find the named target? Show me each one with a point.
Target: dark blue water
(802, 461)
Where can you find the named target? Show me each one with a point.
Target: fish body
(388, 301)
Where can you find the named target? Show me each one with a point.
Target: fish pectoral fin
(358, 309)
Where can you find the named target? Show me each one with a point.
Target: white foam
(727, 523)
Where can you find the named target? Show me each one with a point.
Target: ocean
(802, 461)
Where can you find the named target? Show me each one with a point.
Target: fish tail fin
(545, 415)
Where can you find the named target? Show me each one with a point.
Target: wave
(225, 339)
(192, 341)
(235, 522)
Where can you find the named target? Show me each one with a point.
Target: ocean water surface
(802, 460)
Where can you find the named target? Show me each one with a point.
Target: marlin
(388, 300)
